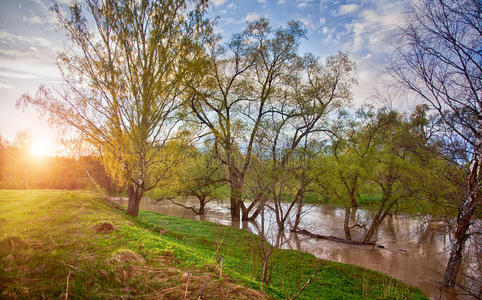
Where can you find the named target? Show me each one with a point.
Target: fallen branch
(331, 238)
(187, 285)
(197, 212)
(201, 291)
(67, 287)
(306, 283)
(219, 262)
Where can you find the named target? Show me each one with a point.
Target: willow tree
(312, 92)
(346, 165)
(235, 95)
(440, 60)
(122, 81)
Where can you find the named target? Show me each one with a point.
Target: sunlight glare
(40, 148)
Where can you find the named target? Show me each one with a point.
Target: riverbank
(54, 239)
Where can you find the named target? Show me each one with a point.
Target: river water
(414, 252)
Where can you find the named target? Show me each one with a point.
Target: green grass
(45, 235)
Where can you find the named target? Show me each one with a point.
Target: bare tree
(440, 60)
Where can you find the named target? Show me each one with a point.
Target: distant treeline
(19, 169)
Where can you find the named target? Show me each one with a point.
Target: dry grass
(52, 245)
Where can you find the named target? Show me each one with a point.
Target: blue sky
(29, 42)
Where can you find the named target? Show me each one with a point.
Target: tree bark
(466, 211)
(235, 183)
(246, 210)
(135, 195)
(202, 204)
(299, 211)
(346, 224)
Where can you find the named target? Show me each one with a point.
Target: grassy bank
(51, 238)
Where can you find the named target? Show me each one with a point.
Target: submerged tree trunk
(135, 194)
(378, 219)
(466, 211)
(202, 204)
(299, 211)
(372, 230)
(346, 224)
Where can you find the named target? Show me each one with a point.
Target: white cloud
(347, 8)
(252, 16)
(15, 74)
(10, 42)
(232, 6)
(5, 86)
(262, 1)
(322, 21)
(281, 2)
(373, 28)
(33, 20)
(24, 57)
(218, 2)
(366, 37)
(303, 3)
(308, 23)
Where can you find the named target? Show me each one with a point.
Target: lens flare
(40, 148)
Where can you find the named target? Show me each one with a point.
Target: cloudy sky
(29, 42)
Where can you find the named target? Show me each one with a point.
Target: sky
(29, 42)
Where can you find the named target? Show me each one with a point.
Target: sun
(40, 148)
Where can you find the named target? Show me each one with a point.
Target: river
(414, 252)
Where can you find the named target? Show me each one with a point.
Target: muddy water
(413, 252)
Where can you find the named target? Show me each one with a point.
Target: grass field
(56, 244)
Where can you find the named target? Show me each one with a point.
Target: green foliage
(123, 81)
(134, 260)
(385, 159)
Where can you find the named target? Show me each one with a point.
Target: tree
(259, 87)
(196, 174)
(312, 92)
(385, 151)
(233, 98)
(122, 82)
(346, 165)
(440, 60)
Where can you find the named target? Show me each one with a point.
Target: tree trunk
(299, 211)
(466, 211)
(377, 220)
(202, 204)
(346, 224)
(235, 183)
(257, 203)
(244, 213)
(135, 195)
(373, 228)
(26, 180)
(235, 202)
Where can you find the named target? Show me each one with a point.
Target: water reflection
(415, 252)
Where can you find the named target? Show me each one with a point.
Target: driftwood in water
(330, 238)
